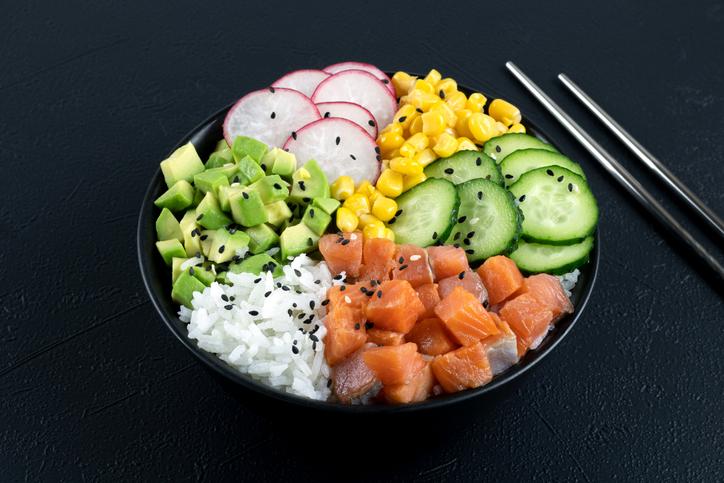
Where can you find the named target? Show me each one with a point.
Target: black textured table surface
(94, 387)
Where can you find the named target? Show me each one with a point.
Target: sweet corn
(419, 141)
(342, 188)
(424, 86)
(412, 180)
(402, 81)
(433, 123)
(358, 204)
(446, 145)
(366, 219)
(405, 115)
(421, 99)
(407, 150)
(384, 208)
(390, 183)
(389, 234)
(465, 144)
(415, 126)
(394, 154)
(433, 77)
(447, 86)
(374, 230)
(476, 102)
(504, 112)
(456, 100)
(392, 128)
(517, 127)
(405, 166)
(346, 220)
(365, 188)
(426, 156)
(482, 126)
(388, 141)
(461, 126)
(447, 113)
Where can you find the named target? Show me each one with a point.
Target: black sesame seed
(294, 135)
(401, 260)
(295, 349)
(199, 217)
(549, 172)
(337, 140)
(191, 272)
(402, 267)
(363, 290)
(402, 119)
(369, 325)
(313, 338)
(289, 312)
(478, 162)
(344, 242)
(560, 178)
(467, 241)
(297, 273)
(318, 282)
(271, 89)
(461, 275)
(457, 236)
(204, 237)
(398, 212)
(497, 149)
(353, 156)
(342, 288)
(228, 307)
(326, 114)
(442, 94)
(222, 248)
(197, 255)
(306, 200)
(522, 198)
(456, 245)
(462, 219)
(469, 251)
(379, 294)
(329, 382)
(371, 123)
(470, 234)
(325, 302)
(267, 294)
(377, 149)
(378, 157)
(392, 220)
(487, 176)
(480, 195)
(301, 316)
(295, 342)
(273, 114)
(449, 171)
(385, 81)
(253, 313)
(310, 242)
(294, 304)
(570, 187)
(356, 326)
(277, 186)
(301, 186)
(285, 288)
(257, 280)
(311, 304)
(236, 179)
(224, 297)
(434, 235)
(232, 298)
(245, 195)
(263, 166)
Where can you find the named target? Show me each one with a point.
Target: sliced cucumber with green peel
(500, 147)
(426, 213)
(524, 160)
(488, 222)
(557, 205)
(555, 259)
(463, 166)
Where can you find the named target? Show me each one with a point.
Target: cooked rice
(569, 280)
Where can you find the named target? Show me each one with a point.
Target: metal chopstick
(646, 157)
(615, 169)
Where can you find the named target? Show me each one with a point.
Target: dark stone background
(94, 387)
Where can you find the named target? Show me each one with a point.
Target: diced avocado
(178, 197)
(204, 275)
(271, 188)
(257, 264)
(277, 212)
(225, 243)
(191, 233)
(221, 145)
(198, 196)
(167, 226)
(248, 171)
(169, 249)
(245, 146)
(205, 240)
(309, 182)
(278, 161)
(211, 179)
(209, 214)
(183, 163)
(297, 239)
(176, 268)
(220, 158)
(184, 288)
(247, 208)
(316, 219)
(225, 193)
(262, 238)
(327, 205)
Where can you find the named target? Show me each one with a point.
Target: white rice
(569, 280)
(254, 333)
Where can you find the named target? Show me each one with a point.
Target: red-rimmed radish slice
(340, 147)
(353, 112)
(359, 87)
(269, 115)
(335, 68)
(304, 81)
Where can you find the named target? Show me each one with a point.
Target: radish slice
(334, 68)
(359, 87)
(354, 112)
(340, 147)
(269, 115)
(304, 81)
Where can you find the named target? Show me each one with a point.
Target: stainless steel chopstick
(615, 169)
(646, 157)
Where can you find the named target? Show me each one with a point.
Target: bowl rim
(219, 366)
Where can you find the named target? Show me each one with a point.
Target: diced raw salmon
(385, 337)
(432, 337)
(351, 378)
(528, 318)
(430, 297)
(465, 317)
(501, 349)
(447, 260)
(394, 306)
(397, 364)
(411, 264)
(548, 290)
(342, 339)
(342, 252)
(377, 259)
(418, 389)
(501, 278)
(349, 298)
(468, 280)
(464, 368)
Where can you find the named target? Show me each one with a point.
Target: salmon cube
(344, 336)
(377, 259)
(528, 318)
(342, 252)
(351, 378)
(447, 261)
(394, 364)
(430, 297)
(501, 278)
(418, 389)
(349, 298)
(549, 292)
(468, 280)
(464, 368)
(465, 317)
(411, 264)
(432, 337)
(394, 306)
(501, 349)
(384, 337)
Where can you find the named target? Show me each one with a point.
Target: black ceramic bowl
(157, 278)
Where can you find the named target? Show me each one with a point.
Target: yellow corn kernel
(342, 188)
(517, 127)
(389, 234)
(412, 180)
(504, 112)
(384, 208)
(482, 126)
(367, 219)
(461, 126)
(501, 128)
(365, 188)
(465, 144)
(421, 99)
(390, 183)
(424, 86)
(447, 113)
(426, 156)
(476, 102)
(358, 204)
(419, 141)
(447, 86)
(433, 77)
(407, 150)
(394, 154)
(405, 166)
(415, 126)
(446, 145)
(405, 115)
(388, 142)
(402, 81)
(456, 100)
(433, 123)
(392, 128)
(374, 231)
(386, 163)
(346, 220)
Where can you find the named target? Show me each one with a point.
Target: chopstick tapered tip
(510, 65)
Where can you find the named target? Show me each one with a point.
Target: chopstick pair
(620, 173)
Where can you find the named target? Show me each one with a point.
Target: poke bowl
(334, 312)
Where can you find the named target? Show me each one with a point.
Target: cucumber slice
(463, 166)
(488, 222)
(426, 213)
(557, 205)
(524, 160)
(555, 259)
(499, 147)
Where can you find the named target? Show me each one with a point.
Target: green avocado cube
(225, 192)
(248, 171)
(261, 238)
(205, 240)
(257, 264)
(176, 263)
(211, 179)
(271, 188)
(167, 226)
(184, 288)
(220, 158)
(309, 182)
(183, 164)
(277, 212)
(278, 161)
(178, 197)
(245, 146)
(221, 145)
(203, 275)
(316, 219)
(297, 239)
(225, 243)
(247, 209)
(191, 233)
(169, 249)
(209, 214)
(327, 205)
